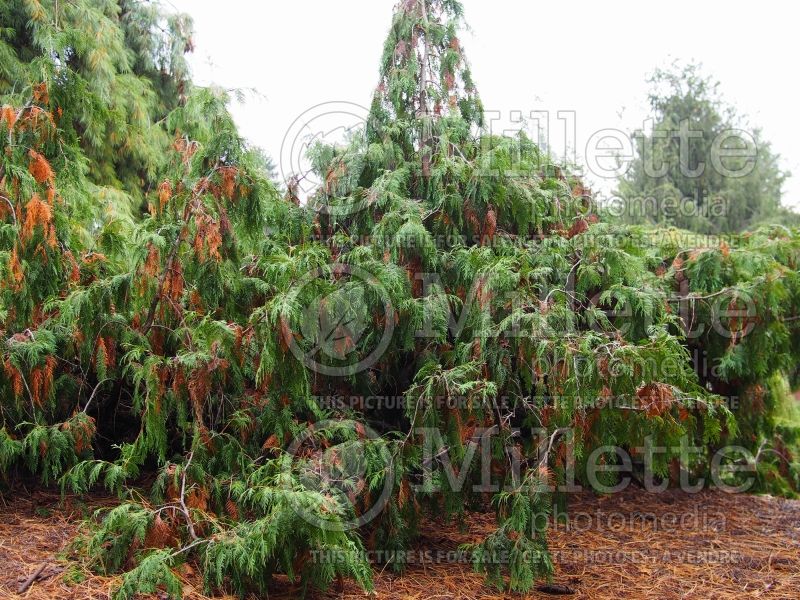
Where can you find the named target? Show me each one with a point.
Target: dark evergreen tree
(685, 173)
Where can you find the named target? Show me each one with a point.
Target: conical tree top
(424, 73)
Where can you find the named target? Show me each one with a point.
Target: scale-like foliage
(186, 322)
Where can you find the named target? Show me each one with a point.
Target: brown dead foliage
(632, 545)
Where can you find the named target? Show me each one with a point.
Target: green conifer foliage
(174, 342)
(107, 70)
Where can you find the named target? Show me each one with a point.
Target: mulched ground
(632, 545)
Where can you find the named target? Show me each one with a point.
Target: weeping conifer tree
(199, 335)
(108, 71)
(522, 254)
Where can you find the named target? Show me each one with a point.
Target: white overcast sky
(572, 55)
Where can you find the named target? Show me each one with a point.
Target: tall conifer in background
(687, 173)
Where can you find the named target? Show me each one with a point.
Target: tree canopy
(698, 167)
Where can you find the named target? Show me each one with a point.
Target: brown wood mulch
(635, 545)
